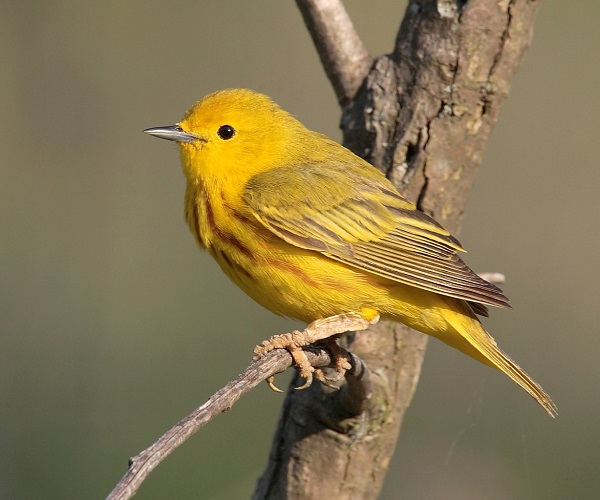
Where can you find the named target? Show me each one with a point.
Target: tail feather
(482, 346)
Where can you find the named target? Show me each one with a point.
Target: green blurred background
(113, 325)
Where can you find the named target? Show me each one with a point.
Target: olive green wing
(355, 215)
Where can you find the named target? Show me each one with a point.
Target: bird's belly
(297, 283)
(306, 285)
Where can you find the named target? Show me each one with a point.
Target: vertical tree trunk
(423, 115)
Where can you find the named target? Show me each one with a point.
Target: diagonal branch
(349, 402)
(345, 59)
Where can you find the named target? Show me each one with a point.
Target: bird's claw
(324, 331)
(306, 384)
(271, 383)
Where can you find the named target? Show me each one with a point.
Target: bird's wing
(356, 216)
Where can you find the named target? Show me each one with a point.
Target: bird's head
(234, 134)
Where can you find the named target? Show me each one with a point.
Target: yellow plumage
(309, 230)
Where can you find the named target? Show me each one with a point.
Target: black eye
(226, 132)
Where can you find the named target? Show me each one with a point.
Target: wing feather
(359, 219)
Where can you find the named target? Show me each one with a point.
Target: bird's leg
(320, 329)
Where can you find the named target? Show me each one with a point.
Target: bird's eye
(226, 132)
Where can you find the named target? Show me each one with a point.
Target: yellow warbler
(311, 231)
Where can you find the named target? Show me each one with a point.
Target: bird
(311, 231)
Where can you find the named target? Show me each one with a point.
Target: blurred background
(113, 325)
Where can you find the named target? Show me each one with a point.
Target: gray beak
(172, 133)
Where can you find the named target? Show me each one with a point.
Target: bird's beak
(172, 133)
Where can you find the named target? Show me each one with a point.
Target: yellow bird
(311, 231)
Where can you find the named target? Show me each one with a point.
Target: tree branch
(348, 402)
(495, 278)
(344, 58)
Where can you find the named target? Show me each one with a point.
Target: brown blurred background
(113, 325)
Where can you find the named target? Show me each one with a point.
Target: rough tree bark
(423, 115)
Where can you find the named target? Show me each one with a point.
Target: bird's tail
(476, 342)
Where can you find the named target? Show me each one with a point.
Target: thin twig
(495, 278)
(344, 57)
(272, 363)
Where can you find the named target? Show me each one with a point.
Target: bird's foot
(321, 330)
